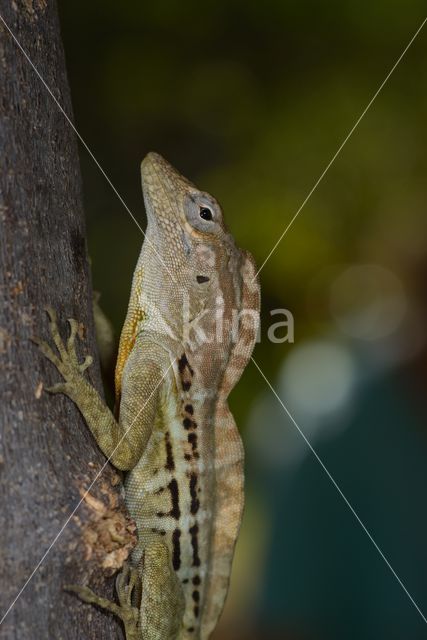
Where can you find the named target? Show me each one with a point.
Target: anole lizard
(189, 332)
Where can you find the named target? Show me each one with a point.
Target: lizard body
(189, 332)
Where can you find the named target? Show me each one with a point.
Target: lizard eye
(205, 213)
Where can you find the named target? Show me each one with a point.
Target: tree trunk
(47, 455)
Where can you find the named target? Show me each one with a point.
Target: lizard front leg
(123, 441)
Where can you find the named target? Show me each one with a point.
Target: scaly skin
(189, 333)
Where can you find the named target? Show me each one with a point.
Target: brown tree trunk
(47, 455)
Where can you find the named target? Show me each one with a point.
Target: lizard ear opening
(202, 279)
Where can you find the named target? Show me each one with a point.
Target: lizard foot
(67, 362)
(128, 586)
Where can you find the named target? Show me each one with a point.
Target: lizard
(189, 332)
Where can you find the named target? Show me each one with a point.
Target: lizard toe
(85, 364)
(60, 387)
(71, 342)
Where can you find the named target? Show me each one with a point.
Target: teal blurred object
(324, 578)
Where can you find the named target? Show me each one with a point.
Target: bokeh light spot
(368, 302)
(318, 378)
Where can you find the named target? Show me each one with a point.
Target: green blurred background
(251, 101)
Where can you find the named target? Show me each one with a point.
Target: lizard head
(187, 231)
(190, 259)
(185, 224)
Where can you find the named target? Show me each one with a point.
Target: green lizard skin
(189, 332)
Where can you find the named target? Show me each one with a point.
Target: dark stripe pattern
(194, 533)
(176, 549)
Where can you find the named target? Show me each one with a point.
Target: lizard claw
(85, 364)
(51, 313)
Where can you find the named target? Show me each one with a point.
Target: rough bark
(47, 456)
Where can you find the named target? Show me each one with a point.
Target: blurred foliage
(251, 101)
